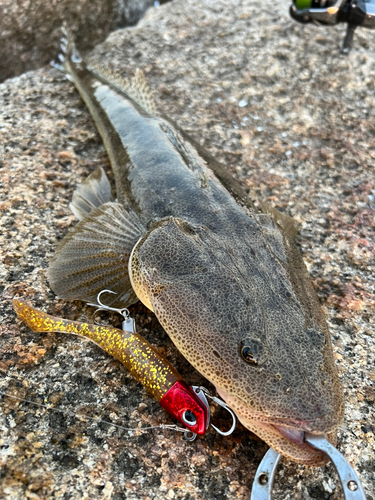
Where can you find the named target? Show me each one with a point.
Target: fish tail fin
(69, 54)
(136, 88)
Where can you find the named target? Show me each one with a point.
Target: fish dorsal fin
(141, 93)
(190, 155)
(94, 256)
(137, 88)
(290, 225)
(219, 170)
(91, 194)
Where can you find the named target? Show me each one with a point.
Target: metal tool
(265, 474)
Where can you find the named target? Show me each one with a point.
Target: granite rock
(30, 31)
(292, 120)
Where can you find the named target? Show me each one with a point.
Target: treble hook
(203, 394)
(123, 311)
(128, 325)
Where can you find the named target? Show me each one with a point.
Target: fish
(222, 275)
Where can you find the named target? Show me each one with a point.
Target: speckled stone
(292, 119)
(30, 30)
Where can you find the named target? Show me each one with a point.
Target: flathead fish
(224, 279)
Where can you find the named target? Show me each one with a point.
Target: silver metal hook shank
(349, 480)
(102, 307)
(265, 476)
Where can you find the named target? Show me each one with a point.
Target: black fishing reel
(329, 12)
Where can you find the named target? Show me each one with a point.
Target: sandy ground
(293, 120)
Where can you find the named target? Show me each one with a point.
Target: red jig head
(189, 408)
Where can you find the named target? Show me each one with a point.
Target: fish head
(238, 316)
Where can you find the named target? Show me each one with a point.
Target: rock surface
(30, 31)
(291, 119)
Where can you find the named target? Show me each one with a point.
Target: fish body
(225, 280)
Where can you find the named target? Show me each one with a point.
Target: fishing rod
(331, 12)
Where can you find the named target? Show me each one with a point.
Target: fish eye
(248, 356)
(253, 350)
(189, 418)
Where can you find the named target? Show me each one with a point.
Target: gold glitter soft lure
(144, 362)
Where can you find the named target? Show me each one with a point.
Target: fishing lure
(329, 12)
(187, 404)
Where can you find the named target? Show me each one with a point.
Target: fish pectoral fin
(91, 194)
(290, 225)
(94, 256)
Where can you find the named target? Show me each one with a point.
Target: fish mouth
(286, 436)
(288, 441)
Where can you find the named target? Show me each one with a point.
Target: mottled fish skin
(226, 282)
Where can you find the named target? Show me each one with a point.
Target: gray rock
(30, 32)
(304, 141)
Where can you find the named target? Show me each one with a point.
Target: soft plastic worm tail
(131, 349)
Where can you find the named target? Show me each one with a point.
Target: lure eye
(189, 418)
(248, 356)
